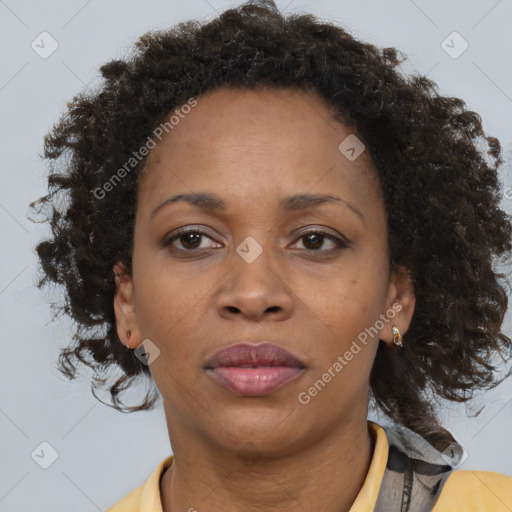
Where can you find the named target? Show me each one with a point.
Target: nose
(256, 291)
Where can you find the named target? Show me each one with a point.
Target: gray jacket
(415, 472)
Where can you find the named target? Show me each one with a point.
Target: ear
(124, 307)
(400, 301)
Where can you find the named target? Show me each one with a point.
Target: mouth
(253, 369)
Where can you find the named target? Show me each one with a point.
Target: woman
(269, 221)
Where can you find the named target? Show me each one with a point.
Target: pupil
(188, 236)
(315, 238)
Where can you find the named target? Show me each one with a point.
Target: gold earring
(397, 337)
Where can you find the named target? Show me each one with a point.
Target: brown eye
(314, 241)
(189, 239)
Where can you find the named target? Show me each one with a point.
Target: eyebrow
(297, 202)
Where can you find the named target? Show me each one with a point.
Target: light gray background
(104, 454)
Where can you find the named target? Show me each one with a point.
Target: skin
(253, 148)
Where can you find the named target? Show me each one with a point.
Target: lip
(253, 354)
(250, 369)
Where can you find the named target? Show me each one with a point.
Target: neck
(325, 476)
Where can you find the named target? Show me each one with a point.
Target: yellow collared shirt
(464, 490)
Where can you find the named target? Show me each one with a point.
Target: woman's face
(253, 275)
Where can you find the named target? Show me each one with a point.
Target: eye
(314, 240)
(189, 239)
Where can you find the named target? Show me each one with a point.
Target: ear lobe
(124, 308)
(400, 305)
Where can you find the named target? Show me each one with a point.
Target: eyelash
(340, 244)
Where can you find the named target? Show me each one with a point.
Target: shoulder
(130, 503)
(474, 491)
(145, 498)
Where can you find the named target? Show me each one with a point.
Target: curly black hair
(437, 169)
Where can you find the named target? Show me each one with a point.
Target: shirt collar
(367, 497)
(150, 500)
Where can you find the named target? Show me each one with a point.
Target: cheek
(174, 311)
(164, 293)
(344, 302)
(162, 304)
(340, 371)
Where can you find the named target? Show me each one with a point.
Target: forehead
(273, 141)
